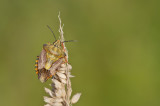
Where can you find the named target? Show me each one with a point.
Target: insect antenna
(70, 41)
(52, 32)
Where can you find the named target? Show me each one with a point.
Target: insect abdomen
(36, 65)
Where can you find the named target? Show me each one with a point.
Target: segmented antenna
(52, 32)
(70, 41)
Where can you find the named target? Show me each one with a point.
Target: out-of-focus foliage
(115, 61)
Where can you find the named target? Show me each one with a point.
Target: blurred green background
(115, 61)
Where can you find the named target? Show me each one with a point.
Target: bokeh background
(115, 61)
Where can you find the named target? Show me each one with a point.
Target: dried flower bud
(75, 98)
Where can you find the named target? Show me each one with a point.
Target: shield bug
(51, 57)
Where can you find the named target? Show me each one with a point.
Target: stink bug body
(51, 57)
